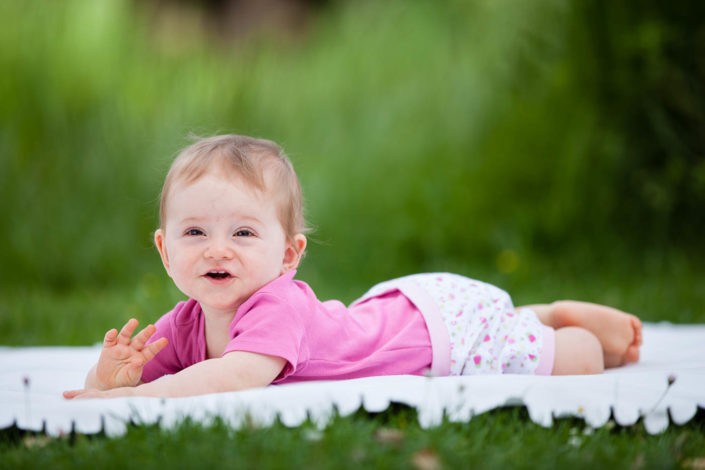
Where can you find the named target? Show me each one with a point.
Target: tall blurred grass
(459, 136)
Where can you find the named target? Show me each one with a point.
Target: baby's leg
(577, 352)
(619, 333)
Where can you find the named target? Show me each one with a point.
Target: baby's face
(222, 240)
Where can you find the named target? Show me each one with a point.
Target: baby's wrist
(98, 384)
(103, 381)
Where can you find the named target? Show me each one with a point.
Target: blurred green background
(556, 149)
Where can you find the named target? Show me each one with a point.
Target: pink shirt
(383, 333)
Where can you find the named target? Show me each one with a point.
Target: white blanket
(669, 381)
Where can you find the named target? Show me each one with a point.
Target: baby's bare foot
(618, 355)
(619, 333)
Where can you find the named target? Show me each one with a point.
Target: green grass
(456, 134)
(499, 439)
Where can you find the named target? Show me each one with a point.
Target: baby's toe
(631, 354)
(637, 328)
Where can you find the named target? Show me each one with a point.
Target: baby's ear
(160, 243)
(293, 253)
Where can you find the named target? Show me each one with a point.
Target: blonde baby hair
(250, 159)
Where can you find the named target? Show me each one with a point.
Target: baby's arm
(237, 370)
(123, 357)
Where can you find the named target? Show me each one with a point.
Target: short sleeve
(270, 326)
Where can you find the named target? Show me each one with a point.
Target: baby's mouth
(218, 274)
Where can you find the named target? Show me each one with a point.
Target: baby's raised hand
(123, 357)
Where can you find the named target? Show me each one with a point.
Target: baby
(231, 235)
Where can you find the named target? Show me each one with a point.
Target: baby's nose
(219, 249)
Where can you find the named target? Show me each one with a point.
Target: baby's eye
(194, 232)
(244, 233)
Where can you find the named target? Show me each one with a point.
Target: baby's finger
(110, 338)
(127, 330)
(71, 394)
(141, 338)
(153, 349)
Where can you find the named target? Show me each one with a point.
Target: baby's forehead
(268, 189)
(228, 178)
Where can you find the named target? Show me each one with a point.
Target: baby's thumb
(154, 348)
(71, 394)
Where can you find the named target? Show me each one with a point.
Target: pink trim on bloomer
(548, 352)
